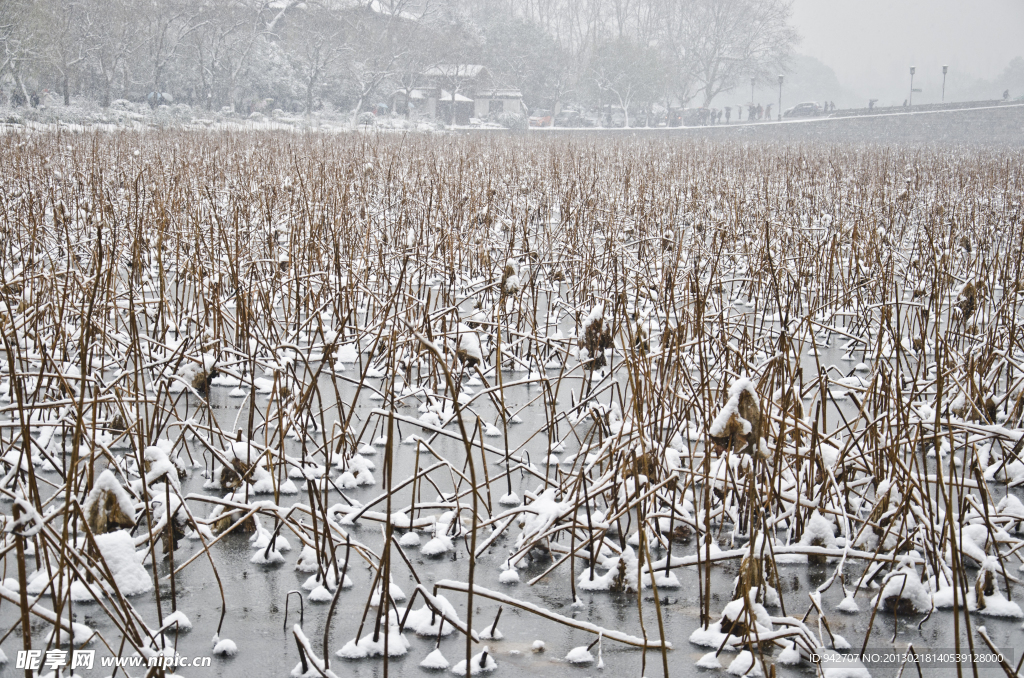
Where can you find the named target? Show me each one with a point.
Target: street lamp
(780, 97)
(752, 81)
(945, 69)
(911, 99)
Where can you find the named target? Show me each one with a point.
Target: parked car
(541, 118)
(570, 118)
(807, 109)
(694, 117)
(614, 116)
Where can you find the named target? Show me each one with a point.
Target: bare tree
(422, 47)
(63, 50)
(165, 26)
(315, 38)
(674, 37)
(722, 41)
(520, 53)
(238, 51)
(20, 39)
(222, 45)
(387, 34)
(630, 72)
(112, 35)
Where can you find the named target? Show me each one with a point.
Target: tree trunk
(107, 85)
(205, 89)
(21, 86)
(64, 86)
(355, 111)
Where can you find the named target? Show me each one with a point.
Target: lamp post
(780, 98)
(912, 71)
(752, 81)
(945, 69)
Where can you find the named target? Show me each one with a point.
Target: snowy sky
(871, 44)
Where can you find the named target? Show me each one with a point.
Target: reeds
(656, 312)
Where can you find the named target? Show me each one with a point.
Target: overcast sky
(871, 44)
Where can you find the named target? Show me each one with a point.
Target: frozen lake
(801, 365)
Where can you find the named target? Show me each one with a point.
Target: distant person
(768, 112)
(760, 112)
(1006, 94)
(728, 114)
(720, 117)
(904, 103)
(833, 105)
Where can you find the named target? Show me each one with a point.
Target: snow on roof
(447, 96)
(415, 93)
(420, 94)
(499, 94)
(400, 11)
(455, 70)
